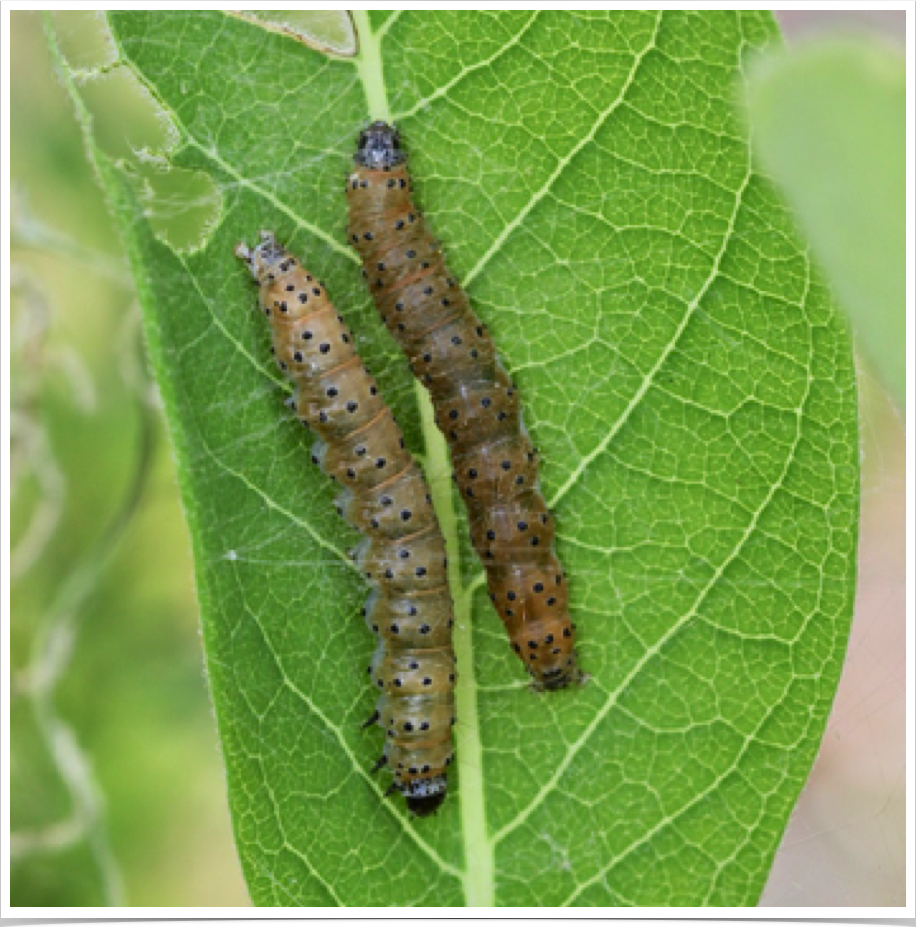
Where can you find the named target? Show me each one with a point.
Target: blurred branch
(30, 452)
(55, 641)
(51, 656)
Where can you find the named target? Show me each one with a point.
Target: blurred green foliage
(829, 122)
(117, 789)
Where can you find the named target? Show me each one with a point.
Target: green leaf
(688, 382)
(829, 121)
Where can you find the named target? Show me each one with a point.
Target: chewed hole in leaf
(126, 118)
(182, 205)
(85, 40)
(327, 31)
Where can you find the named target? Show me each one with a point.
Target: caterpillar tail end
(553, 680)
(424, 796)
(261, 257)
(242, 251)
(425, 806)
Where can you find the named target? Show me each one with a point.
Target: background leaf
(685, 376)
(829, 121)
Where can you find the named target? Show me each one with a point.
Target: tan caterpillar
(387, 500)
(476, 404)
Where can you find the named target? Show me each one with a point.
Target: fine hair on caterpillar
(476, 404)
(386, 498)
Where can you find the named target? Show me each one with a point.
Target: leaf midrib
(478, 850)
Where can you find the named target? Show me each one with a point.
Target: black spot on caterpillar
(476, 404)
(386, 498)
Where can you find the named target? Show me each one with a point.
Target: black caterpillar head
(263, 258)
(379, 147)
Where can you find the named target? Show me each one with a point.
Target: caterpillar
(386, 499)
(475, 402)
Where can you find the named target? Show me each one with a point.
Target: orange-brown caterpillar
(387, 500)
(476, 405)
